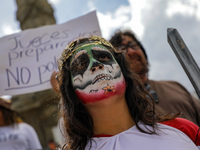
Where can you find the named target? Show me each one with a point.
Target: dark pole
(185, 58)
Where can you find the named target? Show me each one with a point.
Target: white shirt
(20, 137)
(168, 138)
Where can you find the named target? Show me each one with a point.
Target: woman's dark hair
(78, 124)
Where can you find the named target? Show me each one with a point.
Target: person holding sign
(104, 106)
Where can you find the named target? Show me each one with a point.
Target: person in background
(104, 106)
(15, 134)
(169, 96)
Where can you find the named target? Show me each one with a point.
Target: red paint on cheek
(102, 94)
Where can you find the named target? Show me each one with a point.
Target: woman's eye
(103, 58)
(83, 64)
(78, 66)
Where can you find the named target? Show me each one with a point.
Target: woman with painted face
(104, 106)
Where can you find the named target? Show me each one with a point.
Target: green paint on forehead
(86, 48)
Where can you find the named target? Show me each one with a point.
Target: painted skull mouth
(102, 77)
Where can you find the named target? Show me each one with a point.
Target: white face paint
(95, 74)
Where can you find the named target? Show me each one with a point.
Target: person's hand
(54, 82)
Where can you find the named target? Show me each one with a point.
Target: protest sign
(28, 58)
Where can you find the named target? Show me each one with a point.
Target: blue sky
(149, 19)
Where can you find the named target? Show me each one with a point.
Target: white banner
(28, 58)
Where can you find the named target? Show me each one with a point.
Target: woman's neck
(110, 116)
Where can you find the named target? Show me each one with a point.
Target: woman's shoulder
(187, 127)
(169, 83)
(26, 127)
(23, 124)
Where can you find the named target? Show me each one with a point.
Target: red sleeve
(187, 127)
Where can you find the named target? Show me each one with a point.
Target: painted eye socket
(103, 58)
(81, 63)
(78, 66)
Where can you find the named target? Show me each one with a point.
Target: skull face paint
(95, 74)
